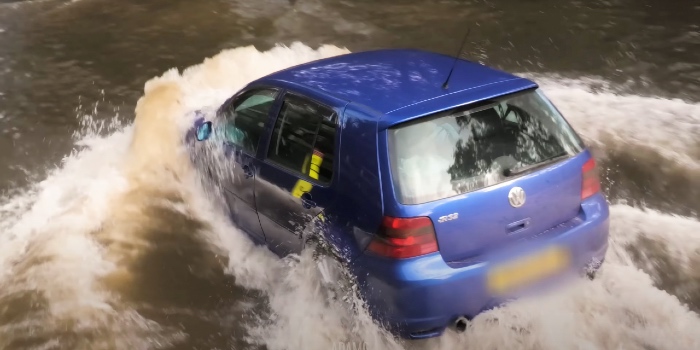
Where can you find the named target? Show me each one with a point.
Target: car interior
(302, 130)
(245, 122)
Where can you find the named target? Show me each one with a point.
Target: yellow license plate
(521, 272)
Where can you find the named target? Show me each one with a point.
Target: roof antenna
(459, 53)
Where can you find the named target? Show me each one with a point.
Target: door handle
(517, 226)
(247, 171)
(306, 201)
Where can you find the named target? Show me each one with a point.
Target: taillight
(402, 238)
(591, 183)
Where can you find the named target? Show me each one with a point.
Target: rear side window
(303, 139)
(246, 117)
(464, 149)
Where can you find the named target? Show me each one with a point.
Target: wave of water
(73, 246)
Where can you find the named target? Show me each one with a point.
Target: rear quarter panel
(357, 213)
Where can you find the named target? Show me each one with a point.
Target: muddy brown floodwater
(108, 242)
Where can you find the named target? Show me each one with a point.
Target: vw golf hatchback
(442, 199)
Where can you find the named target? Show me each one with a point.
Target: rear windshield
(466, 149)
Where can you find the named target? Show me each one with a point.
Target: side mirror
(204, 131)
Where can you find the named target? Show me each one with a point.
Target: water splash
(71, 245)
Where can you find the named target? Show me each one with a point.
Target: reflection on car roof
(386, 80)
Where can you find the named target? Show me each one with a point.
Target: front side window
(466, 149)
(246, 118)
(303, 139)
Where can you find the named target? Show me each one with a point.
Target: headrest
(485, 123)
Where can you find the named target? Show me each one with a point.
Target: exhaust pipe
(460, 324)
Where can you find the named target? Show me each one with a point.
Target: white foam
(208, 84)
(598, 314)
(620, 309)
(77, 194)
(673, 237)
(55, 219)
(48, 250)
(670, 126)
(302, 316)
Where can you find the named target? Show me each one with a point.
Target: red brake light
(591, 183)
(402, 238)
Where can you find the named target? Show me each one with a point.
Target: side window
(303, 139)
(246, 117)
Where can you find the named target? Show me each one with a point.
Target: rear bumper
(421, 297)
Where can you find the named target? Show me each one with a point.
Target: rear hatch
(506, 170)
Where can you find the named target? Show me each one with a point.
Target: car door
(294, 180)
(245, 117)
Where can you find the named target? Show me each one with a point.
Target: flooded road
(106, 241)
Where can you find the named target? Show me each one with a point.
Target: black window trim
(290, 171)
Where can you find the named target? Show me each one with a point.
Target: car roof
(389, 79)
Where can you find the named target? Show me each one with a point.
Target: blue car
(442, 197)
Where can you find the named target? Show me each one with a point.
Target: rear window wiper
(508, 172)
